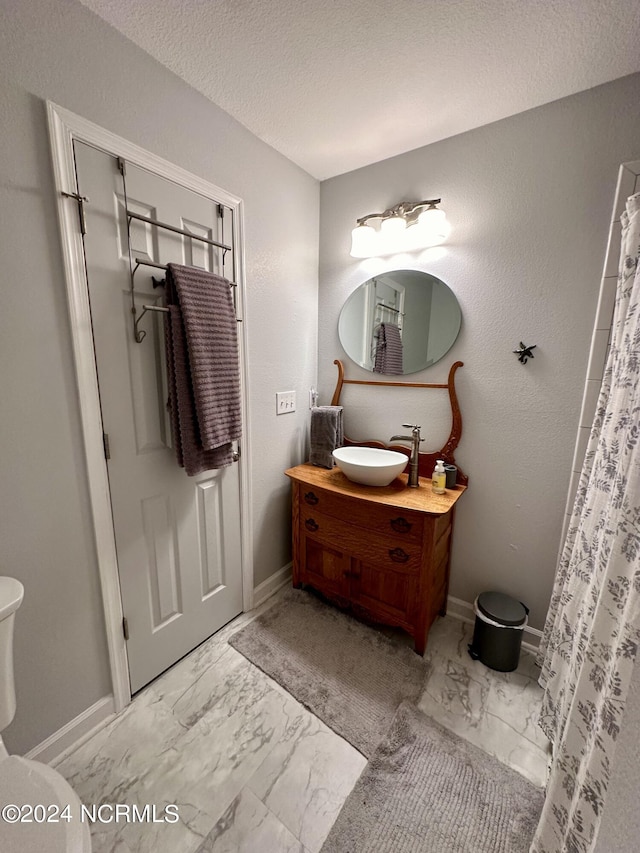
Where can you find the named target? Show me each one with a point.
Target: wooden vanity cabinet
(382, 553)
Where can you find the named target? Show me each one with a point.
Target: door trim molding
(64, 128)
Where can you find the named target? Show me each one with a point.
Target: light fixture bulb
(414, 239)
(392, 235)
(433, 226)
(393, 225)
(402, 229)
(364, 241)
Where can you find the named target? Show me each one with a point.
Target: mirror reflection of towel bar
(386, 308)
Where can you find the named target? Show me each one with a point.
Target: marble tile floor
(251, 770)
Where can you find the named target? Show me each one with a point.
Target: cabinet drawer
(393, 553)
(399, 523)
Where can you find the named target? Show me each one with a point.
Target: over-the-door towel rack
(139, 335)
(149, 221)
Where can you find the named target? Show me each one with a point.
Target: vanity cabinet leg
(419, 645)
(296, 544)
(296, 574)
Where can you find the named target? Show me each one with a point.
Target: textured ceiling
(338, 84)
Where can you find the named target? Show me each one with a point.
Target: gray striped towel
(202, 367)
(389, 350)
(326, 434)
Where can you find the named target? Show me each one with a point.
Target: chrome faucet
(414, 460)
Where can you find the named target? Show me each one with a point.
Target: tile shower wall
(628, 184)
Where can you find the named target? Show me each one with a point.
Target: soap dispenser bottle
(439, 478)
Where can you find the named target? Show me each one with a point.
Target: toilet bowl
(34, 797)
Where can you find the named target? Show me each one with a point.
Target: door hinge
(80, 200)
(107, 446)
(235, 455)
(122, 166)
(125, 627)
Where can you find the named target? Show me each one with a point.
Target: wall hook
(524, 353)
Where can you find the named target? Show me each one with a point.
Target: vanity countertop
(397, 494)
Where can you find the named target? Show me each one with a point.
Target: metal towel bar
(138, 334)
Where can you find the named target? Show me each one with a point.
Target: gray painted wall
(59, 50)
(529, 199)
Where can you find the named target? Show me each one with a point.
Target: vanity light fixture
(405, 227)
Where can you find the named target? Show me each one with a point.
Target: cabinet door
(326, 569)
(384, 595)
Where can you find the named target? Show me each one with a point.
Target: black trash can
(497, 634)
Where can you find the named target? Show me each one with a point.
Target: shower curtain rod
(149, 221)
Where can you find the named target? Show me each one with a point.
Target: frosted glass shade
(430, 229)
(364, 242)
(392, 235)
(433, 226)
(392, 225)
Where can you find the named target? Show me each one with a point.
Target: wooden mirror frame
(427, 461)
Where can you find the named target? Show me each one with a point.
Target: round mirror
(399, 322)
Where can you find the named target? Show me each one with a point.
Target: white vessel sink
(11, 595)
(370, 466)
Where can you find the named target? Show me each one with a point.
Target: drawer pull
(398, 555)
(312, 525)
(311, 499)
(401, 525)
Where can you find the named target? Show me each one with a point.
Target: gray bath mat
(351, 676)
(427, 791)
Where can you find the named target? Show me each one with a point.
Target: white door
(177, 537)
(384, 304)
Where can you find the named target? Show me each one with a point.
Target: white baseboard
(272, 584)
(58, 745)
(61, 743)
(456, 607)
(463, 611)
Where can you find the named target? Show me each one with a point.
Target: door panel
(210, 536)
(177, 537)
(147, 378)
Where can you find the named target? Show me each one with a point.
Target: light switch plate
(285, 402)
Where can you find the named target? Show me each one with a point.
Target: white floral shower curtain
(592, 632)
